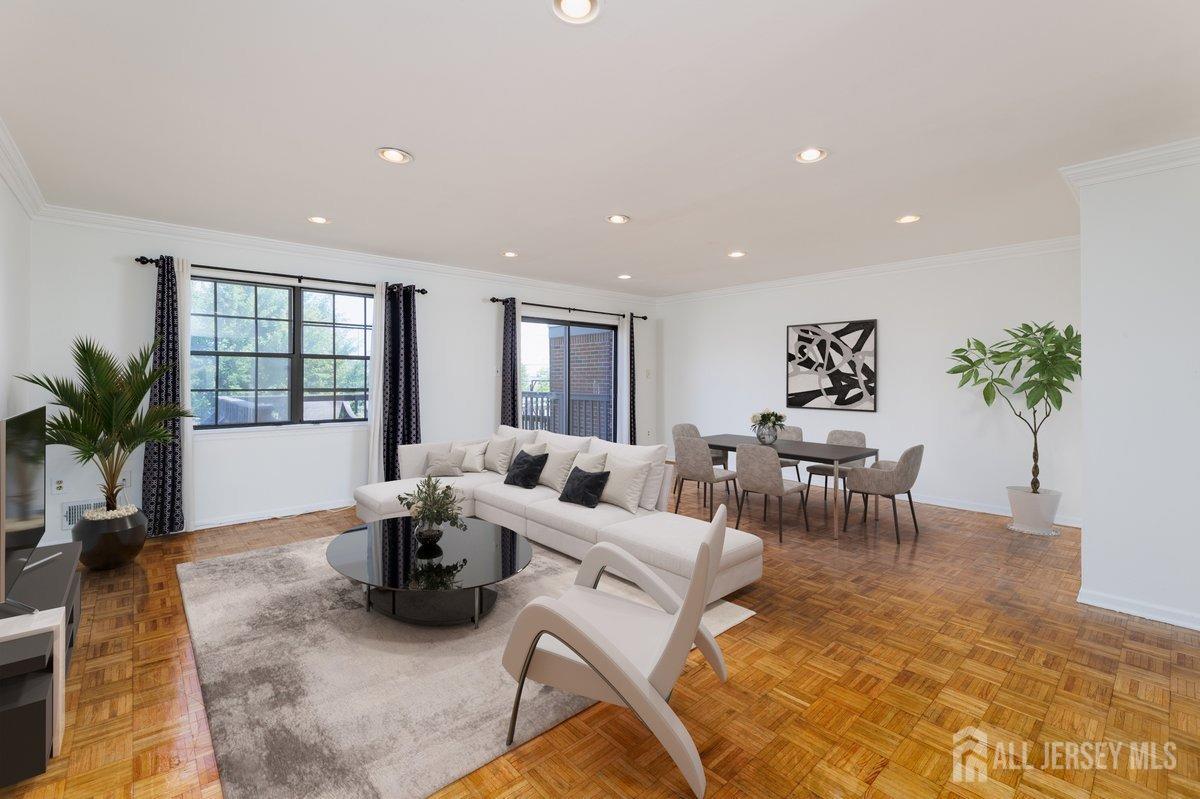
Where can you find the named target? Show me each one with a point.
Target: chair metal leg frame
(679, 496)
(740, 503)
(780, 516)
(913, 510)
(825, 496)
(798, 477)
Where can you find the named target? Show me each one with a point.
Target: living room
(722, 303)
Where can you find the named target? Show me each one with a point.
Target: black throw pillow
(525, 469)
(584, 488)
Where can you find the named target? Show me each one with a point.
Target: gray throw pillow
(448, 465)
(498, 454)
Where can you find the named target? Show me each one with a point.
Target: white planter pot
(1033, 513)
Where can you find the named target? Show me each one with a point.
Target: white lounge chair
(615, 650)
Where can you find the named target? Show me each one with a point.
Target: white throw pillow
(532, 449)
(590, 461)
(626, 479)
(448, 465)
(558, 468)
(577, 443)
(498, 454)
(522, 435)
(654, 454)
(472, 455)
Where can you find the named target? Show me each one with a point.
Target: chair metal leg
(798, 477)
(865, 505)
(712, 501)
(825, 496)
(913, 510)
(679, 496)
(895, 519)
(780, 516)
(804, 510)
(741, 501)
(809, 489)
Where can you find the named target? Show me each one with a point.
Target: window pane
(370, 311)
(318, 306)
(274, 303)
(273, 336)
(317, 406)
(235, 373)
(318, 340)
(351, 406)
(351, 341)
(590, 374)
(235, 335)
(351, 374)
(203, 369)
(235, 299)
(204, 405)
(235, 407)
(542, 377)
(202, 336)
(202, 296)
(273, 406)
(349, 309)
(318, 373)
(273, 373)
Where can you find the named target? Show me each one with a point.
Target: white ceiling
(251, 116)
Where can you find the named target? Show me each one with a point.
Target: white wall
(15, 229)
(723, 358)
(1141, 279)
(84, 281)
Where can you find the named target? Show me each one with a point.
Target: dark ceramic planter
(109, 543)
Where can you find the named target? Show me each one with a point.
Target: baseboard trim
(1145, 610)
(277, 513)
(989, 508)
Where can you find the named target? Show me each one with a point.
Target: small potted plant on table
(105, 423)
(1030, 371)
(766, 425)
(431, 505)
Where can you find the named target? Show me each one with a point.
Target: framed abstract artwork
(831, 365)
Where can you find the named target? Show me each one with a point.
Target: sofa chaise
(666, 542)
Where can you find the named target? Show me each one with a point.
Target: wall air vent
(73, 511)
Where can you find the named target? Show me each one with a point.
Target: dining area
(753, 467)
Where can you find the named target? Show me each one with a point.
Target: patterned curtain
(401, 401)
(508, 365)
(632, 381)
(162, 464)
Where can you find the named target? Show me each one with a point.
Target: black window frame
(295, 355)
(568, 324)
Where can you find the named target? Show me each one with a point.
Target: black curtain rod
(143, 260)
(570, 310)
(635, 316)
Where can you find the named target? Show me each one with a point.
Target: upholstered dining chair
(616, 650)
(759, 473)
(693, 463)
(791, 433)
(846, 438)
(886, 479)
(688, 430)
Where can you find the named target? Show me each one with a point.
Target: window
(265, 354)
(568, 378)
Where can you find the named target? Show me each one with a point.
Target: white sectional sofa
(664, 541)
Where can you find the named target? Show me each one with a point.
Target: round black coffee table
(435, 584)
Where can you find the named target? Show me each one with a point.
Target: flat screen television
(23, 500)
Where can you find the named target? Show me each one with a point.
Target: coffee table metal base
(433, 608)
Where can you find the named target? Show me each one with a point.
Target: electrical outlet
(60, 487)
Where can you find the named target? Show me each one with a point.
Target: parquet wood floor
(863, 660)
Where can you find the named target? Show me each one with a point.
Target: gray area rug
(309, 695)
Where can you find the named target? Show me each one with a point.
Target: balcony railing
(590, 414)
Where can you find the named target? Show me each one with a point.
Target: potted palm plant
(105, 423)
(1029, 371)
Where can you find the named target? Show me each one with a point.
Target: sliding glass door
(568, 379)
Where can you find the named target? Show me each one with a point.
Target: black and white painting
(832, 365)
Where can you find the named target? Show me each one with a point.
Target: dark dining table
(810, 451)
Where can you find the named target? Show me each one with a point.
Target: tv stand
(28, 716)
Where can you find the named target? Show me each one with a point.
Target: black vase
(109, 543)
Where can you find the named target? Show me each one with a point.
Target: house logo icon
(970, 755)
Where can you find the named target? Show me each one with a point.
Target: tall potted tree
(105, 423)
(1029, 371)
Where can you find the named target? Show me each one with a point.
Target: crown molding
(15, 172)
(1022, 250)
(1128, 165)
(99, 219)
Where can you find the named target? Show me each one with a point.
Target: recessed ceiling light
(318, 220)
(908, 219)
(624, 277)
(509, 254)
(576, 12)
(737, 254)
(394, 155)
(811, 155)
(617, 219)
